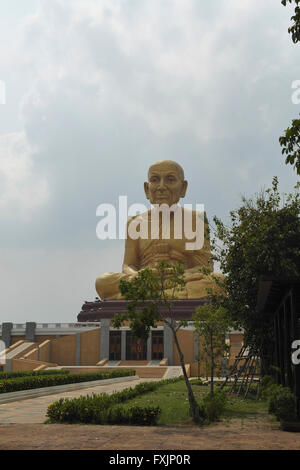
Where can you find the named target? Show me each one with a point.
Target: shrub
(136, 415)
(40, 381)
(97, 408)
(267, 380)
(282, 404)
(280, 399)
(268, 389)
(267, 386)
(32, 373)
(214, 405)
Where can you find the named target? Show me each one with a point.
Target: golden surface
(165, 185)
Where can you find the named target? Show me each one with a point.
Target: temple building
(94, 346)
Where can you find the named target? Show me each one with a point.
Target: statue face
(165, 185)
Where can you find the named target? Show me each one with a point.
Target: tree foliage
(290, 143)
(212, 322)
(148, 303)
(262, 239)
(294, 30)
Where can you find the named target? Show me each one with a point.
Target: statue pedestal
(105, 309)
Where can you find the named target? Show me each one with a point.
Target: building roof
(96, 311)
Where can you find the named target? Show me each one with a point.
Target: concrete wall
(32, 355)
(83, 348)
(77, 349)
(186, 342)
(15, 339)
(42, 338)
(64, 350)
(26, 364)
(90, 347)
(45, 350)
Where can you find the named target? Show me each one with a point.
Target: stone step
(173, 371)
(15, 353)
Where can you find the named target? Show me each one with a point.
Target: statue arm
(201, 258)
(131, 258)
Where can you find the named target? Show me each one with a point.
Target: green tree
(212, 322)
(294, 30)
(262, 239)
(290, 143)
(147, 302)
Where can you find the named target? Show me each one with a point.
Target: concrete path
(34, 410)
(172, 372)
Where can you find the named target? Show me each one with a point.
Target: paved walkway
(34, 410)
(172, 372)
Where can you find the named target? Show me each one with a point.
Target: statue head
(166, 183)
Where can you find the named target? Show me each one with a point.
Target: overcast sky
(96, 90)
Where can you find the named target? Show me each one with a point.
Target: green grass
(238, 407)
(173, 401)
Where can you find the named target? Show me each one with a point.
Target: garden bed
(170, 396)
(30, 382)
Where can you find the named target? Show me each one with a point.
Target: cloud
(203, 74)
(107, 87)
(20, 188)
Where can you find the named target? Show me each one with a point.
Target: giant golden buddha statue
(165, 186)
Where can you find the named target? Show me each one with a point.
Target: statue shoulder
(194, 213)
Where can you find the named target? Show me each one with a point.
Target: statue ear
(184, 188)
(146, 189)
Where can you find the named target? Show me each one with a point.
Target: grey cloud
(117, 85)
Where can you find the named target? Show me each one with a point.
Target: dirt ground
(248, 434)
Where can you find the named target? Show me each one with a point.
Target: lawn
(173, 401)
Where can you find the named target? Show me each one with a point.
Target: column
(30, 331)
(104, 338)
(149, 346)
(6, 333)
(123, 345)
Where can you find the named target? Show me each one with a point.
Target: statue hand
(130, 270)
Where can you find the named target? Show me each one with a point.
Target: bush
(280, 399)
(97, 409)
(268, 385)
(267, 380)
(32, 373)
(136, 415)
(212, 406)
(282, 404)
(40, 381)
